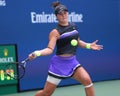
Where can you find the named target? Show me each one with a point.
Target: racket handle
(27, 59)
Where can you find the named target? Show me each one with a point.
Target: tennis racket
(20, 72)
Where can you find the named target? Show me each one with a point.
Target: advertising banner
(8, 54)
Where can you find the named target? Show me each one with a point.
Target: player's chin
(64, 20)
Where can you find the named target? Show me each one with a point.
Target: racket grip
(27, 59)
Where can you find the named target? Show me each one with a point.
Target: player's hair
(55, 4)
(58, 7)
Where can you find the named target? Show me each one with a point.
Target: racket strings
(16, 70)
(21, 71)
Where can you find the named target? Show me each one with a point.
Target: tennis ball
(74, 42)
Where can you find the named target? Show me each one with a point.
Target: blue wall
(98, 19)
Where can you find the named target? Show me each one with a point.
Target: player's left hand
(95, 46)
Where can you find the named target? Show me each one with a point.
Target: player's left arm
(93, 45)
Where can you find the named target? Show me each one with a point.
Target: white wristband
(37, 53)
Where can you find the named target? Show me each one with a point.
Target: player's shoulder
(54, 32)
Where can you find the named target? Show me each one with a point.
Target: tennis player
(64, 63)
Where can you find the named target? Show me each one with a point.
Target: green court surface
(103, 88)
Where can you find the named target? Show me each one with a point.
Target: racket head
(15, 70)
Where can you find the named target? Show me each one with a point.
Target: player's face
(62, 17)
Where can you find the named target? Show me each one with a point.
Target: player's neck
(64, 24)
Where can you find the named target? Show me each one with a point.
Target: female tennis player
(64, 63)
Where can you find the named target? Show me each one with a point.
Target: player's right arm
(53, 36)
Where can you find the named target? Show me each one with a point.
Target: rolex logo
(5, 52)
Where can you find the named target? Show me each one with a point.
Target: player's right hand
(32, 56)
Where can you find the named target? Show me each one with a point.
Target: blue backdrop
(27, 23)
